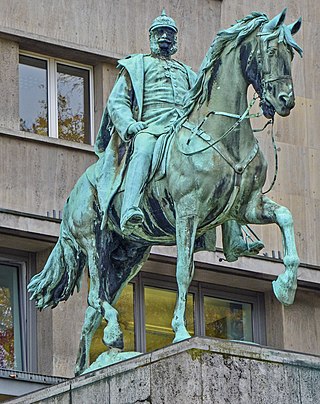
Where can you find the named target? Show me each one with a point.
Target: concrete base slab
(198, 370)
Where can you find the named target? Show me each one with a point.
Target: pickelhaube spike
(163, 21)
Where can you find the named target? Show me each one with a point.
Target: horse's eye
(271, 51)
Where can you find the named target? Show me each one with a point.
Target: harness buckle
(238, 168)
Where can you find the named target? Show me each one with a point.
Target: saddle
(158, 167)
(160, 156)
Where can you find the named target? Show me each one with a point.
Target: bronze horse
(214, 175)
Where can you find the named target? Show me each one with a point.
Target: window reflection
(54, 99)
(126, 320)
(33, 95)
(227, 319)
(159, 307)
(219, 317)
(73, 108)
(10, 337)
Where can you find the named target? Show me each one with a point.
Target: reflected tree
(6, 330)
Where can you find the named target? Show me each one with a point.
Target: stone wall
(200, 370)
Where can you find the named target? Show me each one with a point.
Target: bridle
(264, 74)
(263, 67)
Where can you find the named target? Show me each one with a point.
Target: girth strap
(238, 167)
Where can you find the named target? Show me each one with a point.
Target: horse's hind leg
(262, 211)
(185, 232)
(112, 334)
(97, 299)
(92, 321)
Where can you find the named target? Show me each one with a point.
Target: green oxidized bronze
(177, 158)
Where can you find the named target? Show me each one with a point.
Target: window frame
(25, 262)
(238, 295)
(52, 96)
(199, 289)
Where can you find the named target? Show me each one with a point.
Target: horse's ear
(295, 26)
(275, 22)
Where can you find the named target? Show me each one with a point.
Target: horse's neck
(229, 94)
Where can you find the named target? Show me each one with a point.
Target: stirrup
(132, 217)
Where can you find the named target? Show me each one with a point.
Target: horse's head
(268, 65)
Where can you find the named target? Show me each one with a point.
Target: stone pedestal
(199, 370)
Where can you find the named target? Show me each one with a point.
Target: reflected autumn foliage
(6, 330)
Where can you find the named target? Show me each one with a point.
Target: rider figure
(146, 99)
(162, 83)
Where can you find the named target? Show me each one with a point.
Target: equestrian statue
(177, 157)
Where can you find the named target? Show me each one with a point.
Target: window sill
(44, 139)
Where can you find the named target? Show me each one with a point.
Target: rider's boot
(131, 214)
(234, 246)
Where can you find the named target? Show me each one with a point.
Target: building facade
(57, 66)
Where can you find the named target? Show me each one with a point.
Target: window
(227, 319)
(159, 305)
(146, 308)
(55, 98)
(10, 329)
(17, 314)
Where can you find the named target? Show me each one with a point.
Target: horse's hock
(195, 371)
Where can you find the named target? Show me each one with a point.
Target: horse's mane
(232, 36)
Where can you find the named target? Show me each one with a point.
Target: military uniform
(149, 89)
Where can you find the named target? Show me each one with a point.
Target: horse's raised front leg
(262, 211)
(185, 233)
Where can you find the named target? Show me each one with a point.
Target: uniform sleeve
(192, 77)
(120, 105)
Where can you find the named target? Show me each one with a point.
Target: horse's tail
(61, 274)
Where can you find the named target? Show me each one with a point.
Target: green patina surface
(177, 158)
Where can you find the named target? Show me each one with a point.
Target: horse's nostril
(283, 98)
(286, 99)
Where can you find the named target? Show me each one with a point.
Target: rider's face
(163, 41)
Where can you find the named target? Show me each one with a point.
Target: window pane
(73, 104)
(126, 320)
(227, 319)
(33, 95)
(159, 307)
(10, 337)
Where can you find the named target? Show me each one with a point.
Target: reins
(275, 154)
(196, 130)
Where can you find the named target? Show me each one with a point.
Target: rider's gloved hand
(134, 128)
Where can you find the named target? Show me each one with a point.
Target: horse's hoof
(283, 293)
(77, 372)
(181, 336)
(113, 341)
